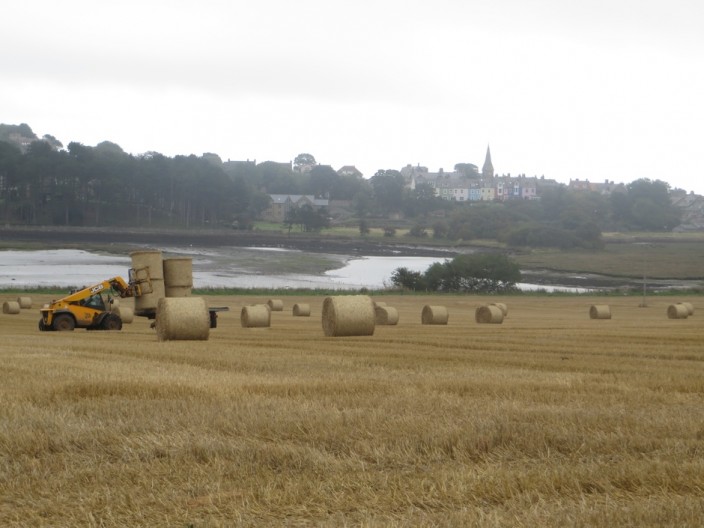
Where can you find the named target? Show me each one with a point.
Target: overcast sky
(588, 89)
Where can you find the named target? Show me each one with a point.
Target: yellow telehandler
(87, 308)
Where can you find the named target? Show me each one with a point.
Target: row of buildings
(469, 185)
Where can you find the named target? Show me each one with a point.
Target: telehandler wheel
(111, 322)
(63, 323)
(43, 327)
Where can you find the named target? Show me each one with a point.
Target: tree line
(104, 186)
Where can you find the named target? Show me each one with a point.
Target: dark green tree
(307, 218)
(650, 206)
(478, 273)
(303, 160)
(364, 227)
(10, 159)
(422, 201)
(407, 279)
(388, 187)
(469, 170)
(323, 181)
(277, 178)
(363, 201)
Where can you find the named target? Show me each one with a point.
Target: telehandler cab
(87, 308)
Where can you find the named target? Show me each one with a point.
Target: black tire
(63, 323)
(43, 327)
(111, 322)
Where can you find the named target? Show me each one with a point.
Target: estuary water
(218, 268)
(212, 268)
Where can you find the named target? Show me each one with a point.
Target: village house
(605, 187)
(350, 170)
(692, 207)
(281, 204)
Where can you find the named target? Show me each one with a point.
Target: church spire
(488, 168)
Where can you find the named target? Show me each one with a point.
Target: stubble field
(549, 419)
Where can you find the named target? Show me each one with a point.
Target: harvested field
(545, 420)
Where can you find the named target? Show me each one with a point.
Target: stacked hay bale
(276, 305)
(24, 302)
(178, 277)
(255, 316)
(677, 311)
(434, 315)
(385, 315)
(301, 310)
(489, 314)
(149, 274)
(600, 311)
(349, 315)
(11, 307)
(182, 318)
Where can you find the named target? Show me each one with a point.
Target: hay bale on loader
(149, 274)
(11, 307)
(677, 311)
(182, 319)
(434, 315)
(24, 302)
(385, 315)
(489, 314)
(255, 316)
(348, 315)
(600, 311)
(301, 310)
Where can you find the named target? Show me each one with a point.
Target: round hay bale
(434, 315)
(115, 303)
(149, 274)
(379, 303)
(348, 315)
(255, 316)
(11, 307)
(276, 305)
(501, 306)
(677, 311)
(24, 302)
(147, 302)
(489, 314)
(600, 311)
(301, 310)
(150, 261)
(178, 277)
(689, 306)
(182, 318)
(125, 313)
(178, 291)
(386, 315)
